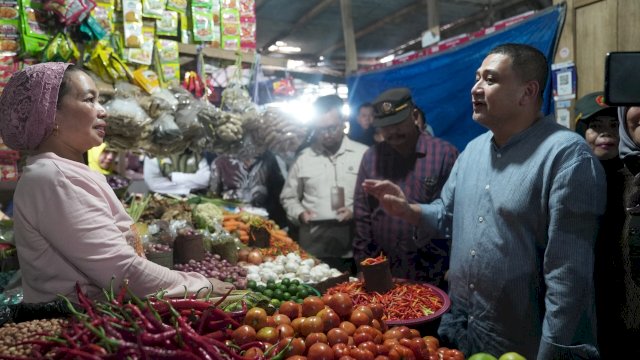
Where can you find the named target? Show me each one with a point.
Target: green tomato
(482, 356)
(511, 356)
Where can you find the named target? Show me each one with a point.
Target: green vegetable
(207, 216)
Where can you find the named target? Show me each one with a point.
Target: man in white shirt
(318, 193)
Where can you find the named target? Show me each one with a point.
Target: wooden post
(349, 37)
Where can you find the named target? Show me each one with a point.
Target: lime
(297, 299)
(482, 356)
(302, 293)
(277, 294)
(293, 289)
(286, 296)
(252, 284)
(275, 302)
(511, 356)
(261, 288)
(295, 282)
(271, 281)
(285, 282)
(268, 293)
(272, 286)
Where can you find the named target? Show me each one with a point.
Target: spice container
(377, 275)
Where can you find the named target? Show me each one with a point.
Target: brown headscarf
(28, 105)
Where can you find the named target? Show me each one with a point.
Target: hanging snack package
(70, 12)
(167, 25)
(61, 48)
(103, 13)
(230, 28)
(132, 15)
(177, 5)
(147, 80)
(248, 33)
(203, 4)
(169, 57)
(107, 64)
(185, 32)
(144, 54)
(9, 29)
(153, 8)
(202, 24)
(35, 35)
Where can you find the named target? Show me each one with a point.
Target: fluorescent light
(281, 43)
(387, 58)
(292, 64)
(273, 48)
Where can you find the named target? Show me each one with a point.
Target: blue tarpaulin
(441, 84)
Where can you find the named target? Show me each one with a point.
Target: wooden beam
(248, 57)
(315, 11)
(349, 37)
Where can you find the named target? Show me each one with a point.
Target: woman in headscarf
(630, 154)
(598, 124)
(69, 225)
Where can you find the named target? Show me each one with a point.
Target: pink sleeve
(80, 223)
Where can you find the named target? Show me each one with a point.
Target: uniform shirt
(179, 183)
(524, 225)
(70, 226)
(309, 182)
(421, 177)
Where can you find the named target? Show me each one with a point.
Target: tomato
(341, 303)
(382, 349)
(256, 318)
(330, 318)
(405, 331)
(281, 319)
(348, 327)
(413, 333)
(360, 337)
(253, 353)
(315, 338)
(361, 354)
(419, 348)
(369, 345)
(267, 334)
(399, 352)
(297, 357)
(431, 341)
(365, 309)
(285, 331)
(337, 336)
(310, 325)
(296, 324)
(340, 350)
(290, 308)
(296, 347)
(359, 318)
(375, 334)
(320, 351)
(244, 335)
(393, 333)
(376, 324)
(381, 357)
(346, 357)
(271, 322)
(377, 310)
(311, 305)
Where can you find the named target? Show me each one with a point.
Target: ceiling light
(321, 58)
(273, 48)
(281, 43)
(387, 58)
(289, 49)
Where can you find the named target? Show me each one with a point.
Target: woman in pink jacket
(69, 225)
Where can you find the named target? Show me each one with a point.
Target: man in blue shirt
(522, 203)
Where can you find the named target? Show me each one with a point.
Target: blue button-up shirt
(524, 219)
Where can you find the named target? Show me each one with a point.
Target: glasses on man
(328, 129)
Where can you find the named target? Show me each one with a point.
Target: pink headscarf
(28, 105)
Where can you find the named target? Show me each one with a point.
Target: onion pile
(157, 248)
(213, 266)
